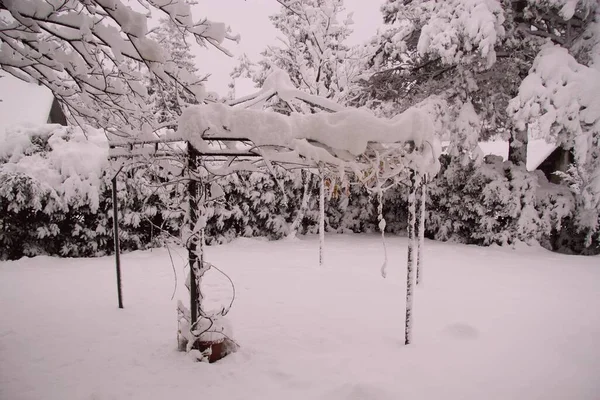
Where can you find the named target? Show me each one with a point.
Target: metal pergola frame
(139, 148)
(161, 147)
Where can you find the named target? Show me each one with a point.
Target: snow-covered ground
(490, 323)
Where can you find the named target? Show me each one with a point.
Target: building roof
(23, 103)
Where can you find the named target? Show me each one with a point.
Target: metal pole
(421, 228)
(192, 241)
(116, 238)
(321, 215)
(410, 265)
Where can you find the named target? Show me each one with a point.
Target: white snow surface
(490, 323)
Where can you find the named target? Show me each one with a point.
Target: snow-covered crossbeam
(337, 138)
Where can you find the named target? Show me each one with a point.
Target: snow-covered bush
(55, 196)
(253, 205)
(50, 191)
(486, 204)
(349, 209)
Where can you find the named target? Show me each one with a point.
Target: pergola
(219, 139)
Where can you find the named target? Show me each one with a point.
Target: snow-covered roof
(23, 103)
(537, 151)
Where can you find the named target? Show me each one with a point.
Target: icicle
(382, 224)
(410, 262)
(201, 271)
(321, 215)
(421, 227)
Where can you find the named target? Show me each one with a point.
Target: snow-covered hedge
(55, 198)
(493, 203)
(500, 203)
(50, 182)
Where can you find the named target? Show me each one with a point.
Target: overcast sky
(250, 18)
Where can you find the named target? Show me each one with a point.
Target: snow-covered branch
(90, 53)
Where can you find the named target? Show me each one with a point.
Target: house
(23, 103)
(541, 155)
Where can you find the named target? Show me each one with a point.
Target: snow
(278, 82)
(561, 95)
(461, 25)
(468, 125)
(72, 166)
(491, 323)
(23, 103)
(348, 131)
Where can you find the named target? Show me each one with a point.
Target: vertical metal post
(192, 161)
(321, 215)
(116, 238)
(422, 197)
(410, 265)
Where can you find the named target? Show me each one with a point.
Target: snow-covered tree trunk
(192, 241)
(421, 228)
(517, 146)
(410, 267)
(321, 216)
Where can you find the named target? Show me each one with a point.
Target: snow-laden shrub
(253, 205)
(50, 180)
(500, 203)
(491, 203)
(578, 202)
(55, 196)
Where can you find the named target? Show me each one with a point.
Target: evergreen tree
(504, 68)
(475, 51)
(313, 51)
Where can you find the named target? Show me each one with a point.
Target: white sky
(250, 18)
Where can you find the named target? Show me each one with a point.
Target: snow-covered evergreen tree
(485, 68)
(475, 51)
(560, 94)
(313, 51)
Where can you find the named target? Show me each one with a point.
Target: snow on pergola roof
(336, 137)
(329, 138)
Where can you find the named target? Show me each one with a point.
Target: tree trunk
(192, 242)
(517, 147)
